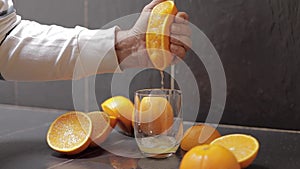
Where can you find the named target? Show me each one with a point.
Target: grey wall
(259, 45)
(258, 42)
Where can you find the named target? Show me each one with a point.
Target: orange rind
(198, 135)
(102, 127)
(209, 157)
(121, 108)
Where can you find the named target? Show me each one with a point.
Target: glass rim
(142, 92)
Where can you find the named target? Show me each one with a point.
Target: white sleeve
(35, 52)
(8, 17)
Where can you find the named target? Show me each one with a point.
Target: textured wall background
(259, 45)
(258, 42)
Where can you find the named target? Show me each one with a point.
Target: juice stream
(162, 79)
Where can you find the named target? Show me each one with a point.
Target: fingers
(181, 17)
(151, 5)
(177, 50)
(181, 29)
(181, 40)
(181, 32)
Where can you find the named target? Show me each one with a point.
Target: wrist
(120, 45)
(126, 44)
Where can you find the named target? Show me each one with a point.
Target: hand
(131, 48)
(180, 41)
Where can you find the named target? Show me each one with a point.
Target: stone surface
(23, 145)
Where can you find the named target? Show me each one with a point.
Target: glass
(158, 120)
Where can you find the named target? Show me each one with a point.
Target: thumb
(151, 5)
(181, 17)
(142, 22)
(140, 26)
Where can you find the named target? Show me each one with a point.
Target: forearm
(39, 52)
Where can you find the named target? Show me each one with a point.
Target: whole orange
(209, 157)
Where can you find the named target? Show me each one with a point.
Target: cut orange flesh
(70, 133)
(244, 147)
(158, 34)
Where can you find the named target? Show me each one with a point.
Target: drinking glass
(158, 120)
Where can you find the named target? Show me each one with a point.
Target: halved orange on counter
(244, 147)
(113, 121)
(70, 133)
(122, 108)
(158, 34)
(198, 135)
(102, 126)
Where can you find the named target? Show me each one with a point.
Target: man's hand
(131, 48)
(180, 35)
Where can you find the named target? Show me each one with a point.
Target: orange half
(244, 147)
(158, 34)
(198, 135)
(122, 108)
(70, 133)
(102, 127)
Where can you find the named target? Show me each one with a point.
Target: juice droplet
(162, 79)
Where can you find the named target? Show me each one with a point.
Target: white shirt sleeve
(8, 17)
(35, 52)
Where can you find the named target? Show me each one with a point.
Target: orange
(209, 157)
(244, 147)
(158, 34)
(70, 133)
(137, 102)
(113, 121)
(121, 108)
(102, 126)
(197, 135)
(155, 115)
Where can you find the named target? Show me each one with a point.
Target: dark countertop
(23, 145)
